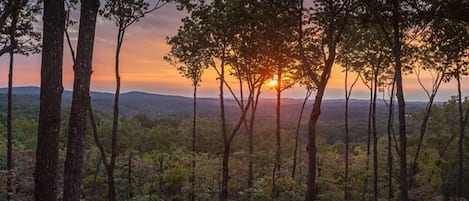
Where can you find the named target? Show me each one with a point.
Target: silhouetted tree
(189, 54)
(327, 22)
(81, 92)
(47, 153)
(124, 13)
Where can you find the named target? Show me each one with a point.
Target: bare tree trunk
(115, 120)
(278, 139)
(368, 146)
(47, 152)
(389, 148)
(81, 89)
(348, 93)
(403, 184)
(194, 122)
(423, 127)
(375, 137)
(297, 132)
(226, 146)
(255, 100)
(462, 126)
(11, 172)
(311, 191)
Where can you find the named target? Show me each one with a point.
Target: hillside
(156, 105)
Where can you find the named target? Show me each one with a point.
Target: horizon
(210, 97)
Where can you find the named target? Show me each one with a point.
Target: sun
(272, 83)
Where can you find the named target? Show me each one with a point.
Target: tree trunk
(368, 146)
(250, 134)
(278, 139)
(225, 171)
(115, 120)
(462, 126)
(348, 93)
(423, 128)
(375, 137)
(403, 184)
(11, 171)
(226, 143)
(194, 126)
(47, 152)
(297, 136)
(81, 89)
(390, 133)
(311, 190)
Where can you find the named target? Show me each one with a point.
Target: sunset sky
(143, 67)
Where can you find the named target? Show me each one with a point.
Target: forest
(76, 144)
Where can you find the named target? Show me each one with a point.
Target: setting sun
(272, 83)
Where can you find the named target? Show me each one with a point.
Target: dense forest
(83, 145)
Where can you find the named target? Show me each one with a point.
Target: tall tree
(390, 16)
(17, 33)
(189, 54)
(328, 21)
(47, 152)
(124, 13)
(10, 179)
(396, 21)
(451, 38)
(348, 92)
(296, 152)
(81, 91)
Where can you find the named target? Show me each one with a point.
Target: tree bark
(278, 139)
(10, 165)
(348, 93)
(368, 146)
(81, 92)
(389, 148)
(194, 127)
(47, 152)
(255, 100)
(403, 184)
(297, 136)
(226, 146)
(462, 126)
(423, 127)
(375, 137)
(115, 119)
(311, 190)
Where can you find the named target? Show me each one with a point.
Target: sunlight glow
(272, 83)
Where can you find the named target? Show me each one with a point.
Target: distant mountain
(156, 105)
(330, 127)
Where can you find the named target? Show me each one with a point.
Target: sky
(143, 67)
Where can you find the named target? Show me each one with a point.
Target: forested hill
(26, 100)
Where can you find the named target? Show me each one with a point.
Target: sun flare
(272, 83)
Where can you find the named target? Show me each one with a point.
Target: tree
(124, 13)
(453, 43)
(10, 182)
(189, 55)
(328, 21)
(309, 90)
(17, 37)
(368, 55)
(348, 93)
(47, 152)
(80, 101)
